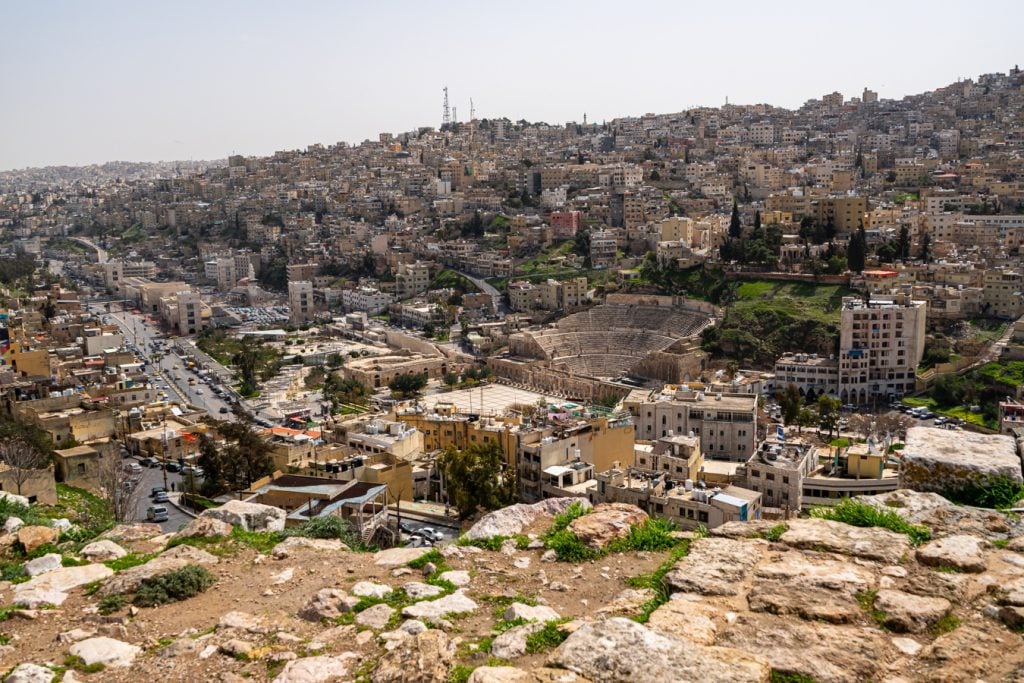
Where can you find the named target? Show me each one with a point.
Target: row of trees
(824, 413)
(244, 458)
(477, 478)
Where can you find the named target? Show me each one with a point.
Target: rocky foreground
(808, 600)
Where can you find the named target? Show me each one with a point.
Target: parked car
(172, 467)
(157, 513)
(133, 468)
(429, 533)
(160, 497)
(157, 489)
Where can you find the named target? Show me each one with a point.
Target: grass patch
(460, 673)
(260, 541)
(13, 572)
(569, 548)
(1001, 542)
(652, 535)
(998, 492)
(774, 534)
(78, 664)
(495, 542)
(858, 513)
(655, 581)
(433, 556)
(866, 600)
(549, 637)
(564, 519)
(174, 586)
(947, 569)
(112, 603)
(790, 677)
(128, 561)
(946, 624)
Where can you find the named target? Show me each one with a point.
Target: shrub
(112, 603)
(547, 638)
(432, 556)
(652, 535)
(325, 527)
(128, 561)
(563, 519)
(569, 548)
(859, 513)
(180, 584)
(998, 492)
(78, 664)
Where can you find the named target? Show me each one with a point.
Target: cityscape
(729, 393)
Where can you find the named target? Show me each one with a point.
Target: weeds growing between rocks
(858, 513)
(655, 582)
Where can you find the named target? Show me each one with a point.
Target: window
(81, 468)
(785, 479)
(770, 476)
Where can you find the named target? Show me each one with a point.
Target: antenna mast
(446, 119)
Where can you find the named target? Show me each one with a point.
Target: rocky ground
(810, 600)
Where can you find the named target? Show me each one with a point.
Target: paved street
(150, 477)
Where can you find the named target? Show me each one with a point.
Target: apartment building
(190, 313)
(881, 342)
(845, 213)
(812, 374)
(300, 302)
(366, 299)
(1003, 293)
(725, 423)
(412, 279)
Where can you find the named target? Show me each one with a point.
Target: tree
(476, 478)
(244, 458)
(926, 247)
(340, 391)
(335, 360)
(862, 425)
(408, 385)
(247, 360)
(757, 220)
(118, 486)
(856, 252)
(828, 414)
(22, 460)
(790, 402)
(805, 418)
(450, 379)
(904, 241)
(735, 227)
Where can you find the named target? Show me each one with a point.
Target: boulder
(961, 552)
(241, 621)
(237, 648)
(248, 516)
(423, 658)
(30, 673)
(941, 460)
(716, 566)
(397, 557)
(190, 554)
(56, 583)
(456, 577)
(417, 590)
(518, 610)
(205, 527)
(510, 674)
(321, 669)
(808, 648)
(102, 551)
(908, 613)
(369, 589)
(106, 651)
(689, 620)
(376, 616)
(872, 543)
(41, 565)
(328, 603)
(75, 635)
(513, 519)
(811, 587)
(14, 498)
(939, 514)
(32, 537)
(290, 545)
(176, 558)
(11, 526)
(607, 522)
(627, 602)
(512, 643)
(138, 531)
(620, 650)
(435, 610)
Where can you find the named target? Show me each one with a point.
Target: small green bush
(948, 623)
(564, 519)
(325, 527)
(432, 556)
(180, 584)
(460, 673)
(655, 581)
(569, 548)
(128, 561)
(547, 638)
(78, 664)
(859, 513)
(112, 603)
(997, 492)
(652, 535)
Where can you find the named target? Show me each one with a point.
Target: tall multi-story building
(881, 342)
(300, 301)
(226, 274)
(412, 279)
(190, 313)
(1003, 293)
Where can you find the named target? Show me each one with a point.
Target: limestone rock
(206, 527)
(58, 582)
(937, 513)
(12, 524)
(129, 580)
(75, 635)
(369, 589)
(873, 543)
(322, 669)
(102, 551)
(241, 621)
(939, 460)
(138, 531)
(237, 648)
(375, 616)
(248, 516)
(396, 557)
(512, 643)
(510, 674)
(962, 552)
(689, 620)
(518, 610)
(621, 650)
(435, 610)
(106, 651)
(716, 566)
(456, 577)
(288, 546)
(807, 648)
(29, 673)
(907, 646)
(190, 554)
(34, 536)
(14, 498)
(41, 565)
(511, 520)
(909, 613)
(417, 590)
(810, 587)
(423, 658)
(328, 603)
(627, 602)
(607, 522)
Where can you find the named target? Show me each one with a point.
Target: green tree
(904, 241)
(340, 391)
(735, 227)
(757, 220)
(805, 418)
(244, 458)
(335, 360)
(856, 251)
(477, 479)
(408, 385)
(828, 413)
(790, 401)
(926, 247)
(247, 361)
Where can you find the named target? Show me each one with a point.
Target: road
(101, 253)
(488, 288)
(173, 374)
(150, 477)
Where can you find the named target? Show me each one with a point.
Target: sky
(88, 82)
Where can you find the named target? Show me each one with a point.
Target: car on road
(429, 533)
(157, 489)
(172, 467)
(160, 497)
(133, 468)
(157, 513)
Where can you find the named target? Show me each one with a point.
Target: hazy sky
(86, 82)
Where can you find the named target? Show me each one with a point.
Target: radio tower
(472, 121)
(446, 119)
